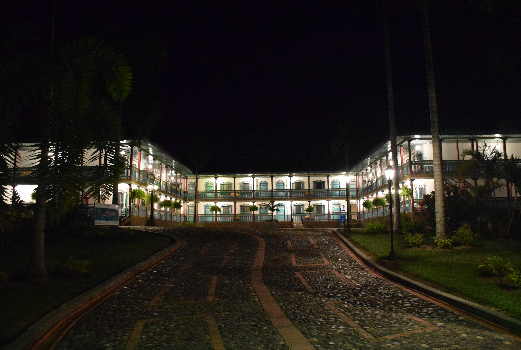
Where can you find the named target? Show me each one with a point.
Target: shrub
(356, 224)
(414, 239)
(377, 228)
(464, 235)
(76, 268)
(410, 227)
(513, 279)
(443, 243)
(496, 266)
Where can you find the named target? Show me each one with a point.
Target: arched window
(208, 186)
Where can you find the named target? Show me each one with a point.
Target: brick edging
(45, 330)
(511, 324)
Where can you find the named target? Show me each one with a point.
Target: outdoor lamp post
(348, 211)
(389, 174)
(151, 221)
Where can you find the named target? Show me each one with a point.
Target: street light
(348, 211)
(151, 221)
(389, 174)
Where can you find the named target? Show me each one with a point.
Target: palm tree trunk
(392, 123)
(436, 144)
(37, 271)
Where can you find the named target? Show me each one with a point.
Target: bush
(502, 268)
(414, 239)
(356, 223)
(410, 227)
(496, 266)
(513, 279)
(443, 243)
(70, 268)
(76, 268)
(464, 235)
(377, 228)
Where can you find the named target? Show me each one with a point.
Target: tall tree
(392, 122)
(435, 130)
(69, 96)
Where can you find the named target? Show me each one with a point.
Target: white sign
(106, 214)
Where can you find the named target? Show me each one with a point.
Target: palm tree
(253, 208)
(272, 207)
(435, 131)
(392, 121)
(72, 92)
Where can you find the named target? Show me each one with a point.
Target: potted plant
(310, 209)
(379, 202)
(253, 208)
(176, 205)
(215, 209)
(134, 194)
(368, 204)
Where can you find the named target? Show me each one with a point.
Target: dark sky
(266, 85)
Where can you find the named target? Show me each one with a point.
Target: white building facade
(313, 196)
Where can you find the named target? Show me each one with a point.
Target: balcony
(276, 194)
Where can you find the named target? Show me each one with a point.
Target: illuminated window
(298, 185)
(226, 186)
(335, 184)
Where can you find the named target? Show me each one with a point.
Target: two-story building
(318, 196)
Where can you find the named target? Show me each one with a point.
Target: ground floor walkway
(285, 289)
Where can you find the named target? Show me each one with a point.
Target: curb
(511, 324)
(43, 333)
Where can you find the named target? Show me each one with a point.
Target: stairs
(284, 224)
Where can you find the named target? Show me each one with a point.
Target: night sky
(274, 85)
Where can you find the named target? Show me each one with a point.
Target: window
(226, 209)
(299, 208)
(335, 184)
(263, 209)
(226, 186)
(245, 186)
(280, 185)
(319, 185)
(298, 185)
(263, 186)
(208, 186)
(191, 186)
(319, 208)
(245, 209)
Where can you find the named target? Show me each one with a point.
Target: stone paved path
(270, 290)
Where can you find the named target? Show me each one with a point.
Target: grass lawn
(454, 271)
(22, 304)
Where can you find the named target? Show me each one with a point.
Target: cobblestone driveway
(311, 294)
